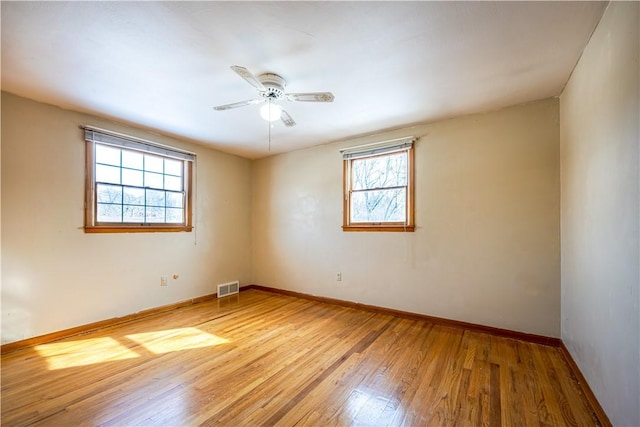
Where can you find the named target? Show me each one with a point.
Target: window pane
(132, 159)
(108, 174)
(174, 215)
(109, 213)
(109, 193)
(155, 214)
(153, 163)
(132, 177)
(155, 198)
(133, 196)
(132, 188)
(153, 180)
(380, 172)
(379, 206)
(107, 155)
(174, 200)
(133, 214)
(173, 167)
(172, 183)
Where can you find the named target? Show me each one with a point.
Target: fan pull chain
(269, 124)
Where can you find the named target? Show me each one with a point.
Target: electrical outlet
(164, 281)
(339, 277)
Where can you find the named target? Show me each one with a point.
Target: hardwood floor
(259, 358)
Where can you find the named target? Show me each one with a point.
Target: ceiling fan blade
(246, 74)
(311, 97)
(286, 119)
(238, 104)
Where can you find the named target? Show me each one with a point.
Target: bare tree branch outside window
(379, 188)
(132, 187)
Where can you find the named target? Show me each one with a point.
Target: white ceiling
(163, 65)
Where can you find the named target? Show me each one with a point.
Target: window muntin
(379, 189)
(133, 190)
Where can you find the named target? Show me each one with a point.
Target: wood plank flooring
(265, 359)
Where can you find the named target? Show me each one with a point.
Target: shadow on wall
(16, 322)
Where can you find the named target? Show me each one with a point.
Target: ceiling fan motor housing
(274, 84)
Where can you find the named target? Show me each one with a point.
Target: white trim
(398, 144)
(102, 136)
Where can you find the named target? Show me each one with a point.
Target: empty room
(320, 213)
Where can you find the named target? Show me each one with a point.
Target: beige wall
(54, 276)
(600, 213)
(486, 249)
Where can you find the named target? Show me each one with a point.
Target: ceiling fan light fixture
(271, 88)
(271, 112)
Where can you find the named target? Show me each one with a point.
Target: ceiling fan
(271, 88)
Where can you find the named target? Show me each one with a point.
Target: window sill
(386, 227)
(135, 229)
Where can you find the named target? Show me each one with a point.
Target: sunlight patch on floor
(366, 407)
(68, 354)
(169, 340)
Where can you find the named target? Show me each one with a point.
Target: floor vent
(228, 289)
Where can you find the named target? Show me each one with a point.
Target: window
(378, 186)
(133, 185)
